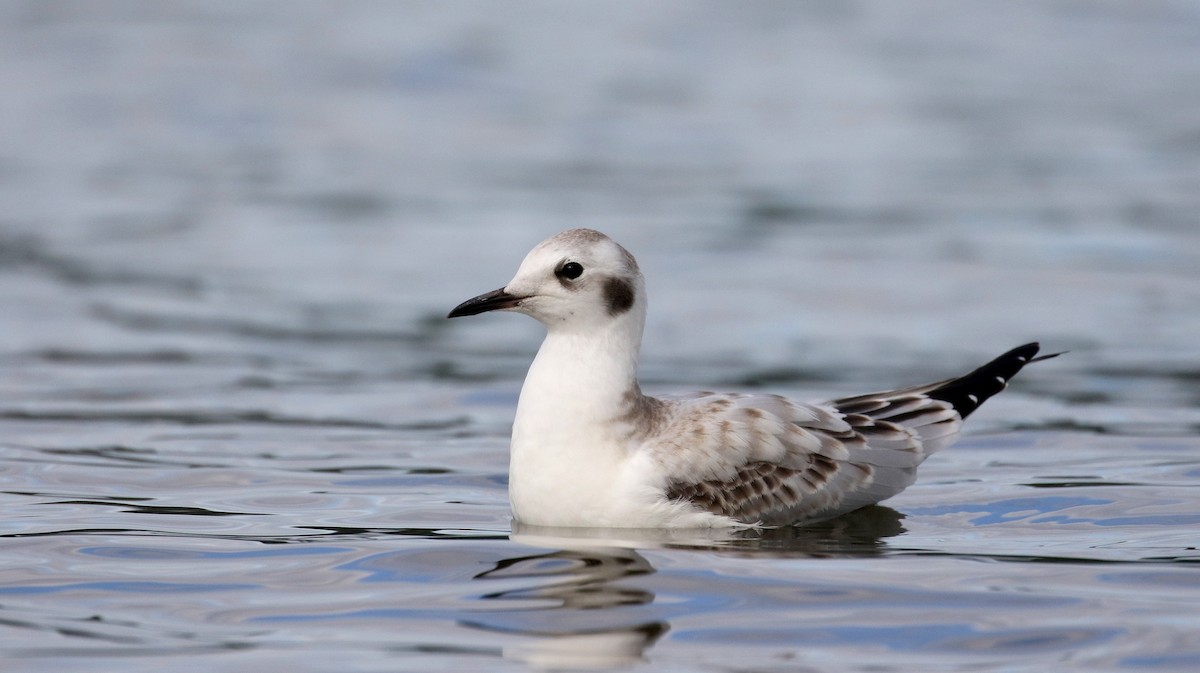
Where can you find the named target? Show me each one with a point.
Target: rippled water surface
(236, 431)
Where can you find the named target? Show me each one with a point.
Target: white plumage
(590, 450)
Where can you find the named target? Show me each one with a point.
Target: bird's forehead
(544, 256)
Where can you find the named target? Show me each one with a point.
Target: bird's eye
(570, 270)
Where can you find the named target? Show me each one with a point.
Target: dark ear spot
(618, 294)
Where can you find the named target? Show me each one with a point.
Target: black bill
(491, 301)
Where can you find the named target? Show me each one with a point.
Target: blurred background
(234, 420)
(238, 204)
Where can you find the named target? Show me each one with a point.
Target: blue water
(236, 431)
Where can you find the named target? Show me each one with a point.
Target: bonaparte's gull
(590, 450)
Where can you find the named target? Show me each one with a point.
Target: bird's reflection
(571, 607)
(860, 533)
(587, 604)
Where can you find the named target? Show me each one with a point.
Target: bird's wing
(766, 458)
(761, 458)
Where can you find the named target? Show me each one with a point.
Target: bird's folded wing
(764, 458)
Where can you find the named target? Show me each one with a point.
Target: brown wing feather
(769, 460)
(764, 458)
(766, 492)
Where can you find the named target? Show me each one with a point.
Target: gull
(589, 449)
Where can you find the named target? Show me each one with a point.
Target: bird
(589, 449)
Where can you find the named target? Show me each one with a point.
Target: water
(236, 432)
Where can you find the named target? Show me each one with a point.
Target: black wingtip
(967, 393)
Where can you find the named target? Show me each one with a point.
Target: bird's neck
(582, 377)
